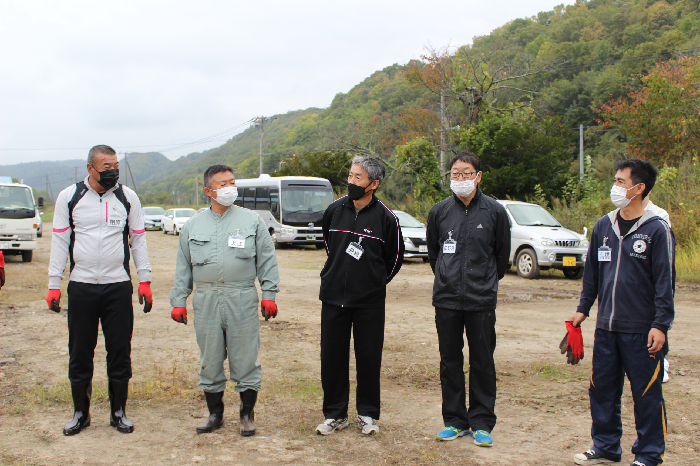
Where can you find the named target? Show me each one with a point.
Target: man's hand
(577, 319)
(269, 308)
(145, 295)
(53, 299)
(179, 314)
(572, 344)
(657, 338)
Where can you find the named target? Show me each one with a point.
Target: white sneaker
(367, 425)
(331, 425)
(666, 377)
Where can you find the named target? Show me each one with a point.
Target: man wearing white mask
(222, 250)
(468, 245)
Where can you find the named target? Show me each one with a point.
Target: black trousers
(89, 304)
(367, 325)
(481, 337)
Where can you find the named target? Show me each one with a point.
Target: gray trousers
(226, 324)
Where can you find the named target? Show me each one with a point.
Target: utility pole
(76, 174)
(580, 149)
(443, 129)
(196, 190)
(48, 187)
(126, 173)
(260, 122)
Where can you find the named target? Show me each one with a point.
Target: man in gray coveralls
(222, 250)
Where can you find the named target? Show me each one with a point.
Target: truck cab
(19, 220)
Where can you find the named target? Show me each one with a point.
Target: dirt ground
(542, 403)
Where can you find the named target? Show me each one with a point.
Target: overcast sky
(133, 74)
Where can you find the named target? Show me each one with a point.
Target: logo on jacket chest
(368, 231)
(639, 246)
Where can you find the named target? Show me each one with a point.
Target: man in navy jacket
(631, 270)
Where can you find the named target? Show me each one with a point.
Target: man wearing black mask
(365, 251)
(94, 224)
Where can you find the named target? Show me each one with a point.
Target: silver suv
(539, 242)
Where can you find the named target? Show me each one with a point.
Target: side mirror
(41, 202)
(273, 207)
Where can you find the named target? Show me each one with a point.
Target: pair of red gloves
(572, 344)
(53, 299)
(268, 309)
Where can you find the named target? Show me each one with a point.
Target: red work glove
(145, 294)
(572, 344)
(179, 314)
(269, 308)
(53, 299)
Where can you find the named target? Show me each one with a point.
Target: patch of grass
(688, 262)
(419, 375)
(161, 385)
(552, 371)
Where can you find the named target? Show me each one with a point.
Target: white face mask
(618, 196)
(226, 196)
(462, 188)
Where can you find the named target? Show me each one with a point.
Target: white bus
(291, 206)
(20, 221)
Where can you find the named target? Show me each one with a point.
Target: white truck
(19, 220)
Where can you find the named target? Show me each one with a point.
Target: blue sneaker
(451, 433)
(482, 438)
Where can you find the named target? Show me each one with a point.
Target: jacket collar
(476, 200)
(616, 226)
(349, 202)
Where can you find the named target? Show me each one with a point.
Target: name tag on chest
(355, 250)
(236, 242)
(604, 254)
(449, 246)
(116, 222)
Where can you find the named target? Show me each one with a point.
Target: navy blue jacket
(635, 289)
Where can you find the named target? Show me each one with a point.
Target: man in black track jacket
(365, 251)
(468, 245)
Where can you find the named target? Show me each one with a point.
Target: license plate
(4, 245)
(310, 237)
(423, 248)
(569, 262)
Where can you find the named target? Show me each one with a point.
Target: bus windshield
(16, 202)
(304, 204)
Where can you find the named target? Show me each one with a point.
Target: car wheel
(426, 259)
(165, 232)
(526, 264)
(320, 246)
(175, 232)
(573, 273)
(27, 256)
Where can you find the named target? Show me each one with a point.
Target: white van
(291, 206)
(19, 220)
(539, 242)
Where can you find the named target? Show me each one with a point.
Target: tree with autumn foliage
(661, 121)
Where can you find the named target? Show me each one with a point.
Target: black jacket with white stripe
(350, 282)
(468, 278)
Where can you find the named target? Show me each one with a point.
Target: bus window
(274, 203)
(249, 198)
(262, 199)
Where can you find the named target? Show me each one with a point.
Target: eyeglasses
(465, 175)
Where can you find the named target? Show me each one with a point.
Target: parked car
(152, 217)
(413, 233)
(539, 242)
(173, 220)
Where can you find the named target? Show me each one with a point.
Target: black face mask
(108, 178)
(356, 192)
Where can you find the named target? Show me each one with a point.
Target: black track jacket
(468, 279)
(346, 281)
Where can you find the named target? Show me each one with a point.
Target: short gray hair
(373, 167)
(100, 149)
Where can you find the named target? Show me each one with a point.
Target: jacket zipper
(617, 270)
(464, 265)
(99, 244)
(347, 263)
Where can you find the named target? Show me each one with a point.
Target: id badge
(236, 240)
(117, 222)
(449, 246)
(355, 250)
(604, 252)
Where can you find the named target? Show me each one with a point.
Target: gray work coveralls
(225, 302)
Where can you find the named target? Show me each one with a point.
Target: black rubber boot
(81, 392)
(118, 393)
(215, 403)
(248, 399)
